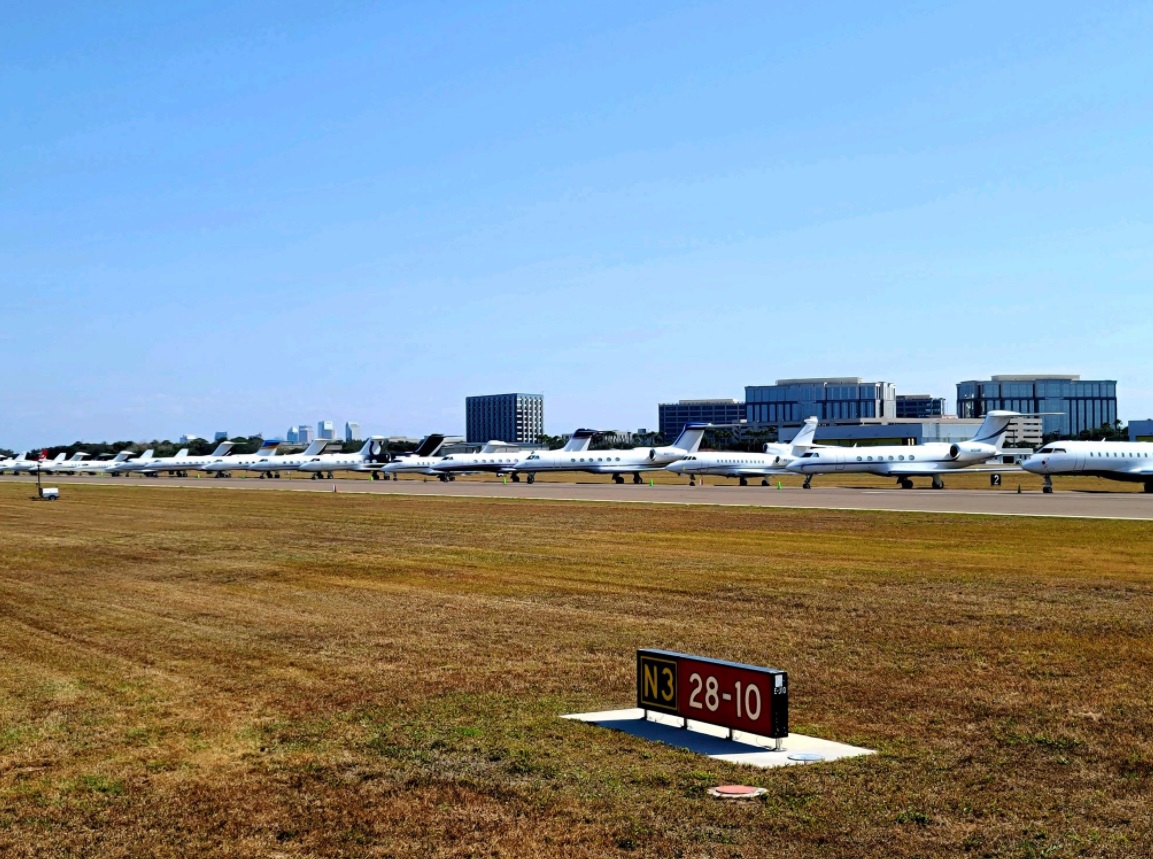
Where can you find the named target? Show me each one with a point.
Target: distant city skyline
(380, 209)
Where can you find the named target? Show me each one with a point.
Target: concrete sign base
(749, 749)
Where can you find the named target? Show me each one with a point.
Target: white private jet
(420, 461)
(271, 466)
(733, 463)
(372, 456)
(905, 462)
(183, 462)
(131, 466)
(100, 466)
(41, 463)
(221, 466)
(15, 464)
(1114, 460)
(615, 462)
(502, 458)
(64, 466)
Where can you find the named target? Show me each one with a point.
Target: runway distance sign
(728, 694)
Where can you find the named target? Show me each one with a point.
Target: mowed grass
(296, 674)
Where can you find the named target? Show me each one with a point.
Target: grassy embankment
(264, 674)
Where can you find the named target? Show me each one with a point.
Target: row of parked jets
(1128, 461)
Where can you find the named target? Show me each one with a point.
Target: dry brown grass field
(299, 674)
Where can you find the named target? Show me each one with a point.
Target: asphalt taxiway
(999, 502)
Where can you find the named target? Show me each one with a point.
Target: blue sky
(245, 216)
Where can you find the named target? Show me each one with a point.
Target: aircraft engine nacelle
(969, 451)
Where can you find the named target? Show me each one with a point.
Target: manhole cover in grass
(736, 791)
(806, 757)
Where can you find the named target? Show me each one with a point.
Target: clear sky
(246, 216)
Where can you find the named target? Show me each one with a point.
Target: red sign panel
(729, 694)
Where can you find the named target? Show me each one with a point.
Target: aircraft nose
(1034, 465)
(796, 465)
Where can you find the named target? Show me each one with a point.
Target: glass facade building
(790, 401)
(504, 417)
(920, 406)
(351, 431)
(1081, 404)
(672, 417)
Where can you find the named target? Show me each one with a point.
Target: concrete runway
(1002, 502)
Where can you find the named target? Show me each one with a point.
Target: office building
(304, 434)
(1078, 404)
(504, 417)
(920, 406)
(672, 417)
(188, 438)
(351, 431)
(791, 401)
(221, 435)
(326, 430)
(1141, 430)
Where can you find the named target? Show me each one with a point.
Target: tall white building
(326, 430)
(351, 431)
(304, 434)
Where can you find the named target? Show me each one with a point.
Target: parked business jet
(502, 458)
(64, 466)
(420, 461)
(271, 466)
(222, 466)
(41, 463)
(732, 463)
(905, 462)
(131, 466)
(15, 463)
(615, 462)
(100, 466)
(372, 456)
(183, 462)
(1114, 460)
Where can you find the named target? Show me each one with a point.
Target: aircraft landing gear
(515, 477)
(1048, 487)
(764, 481)
(808, 484)
(744, 481)
(938, 483)
(637, 478)
(1149, 487)
(618, 479)
(443, 478)
(905, 482)
(692, 480)
(530, 478)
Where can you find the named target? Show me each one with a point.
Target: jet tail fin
(180, 454)
(123, 455)
(430, 445)
(803, 440)
(316, 447)
(147, 454)
(268, 448)
(223, 448)
(580, 440)
(993, 428)
(375, 449)
(690, 438)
